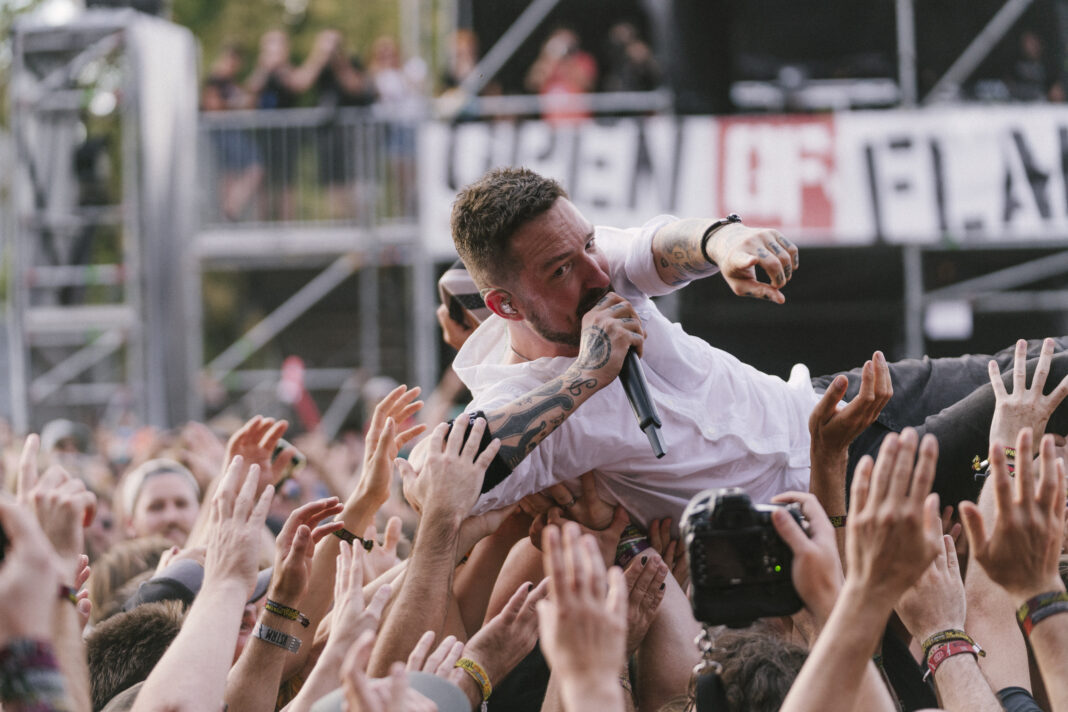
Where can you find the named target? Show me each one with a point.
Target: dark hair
(489, 211)
(123, 649)
(759, 667)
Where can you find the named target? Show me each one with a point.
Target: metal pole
(506, 46)
(906, 53)
(913, 263)
(283, 316)
(980, 47)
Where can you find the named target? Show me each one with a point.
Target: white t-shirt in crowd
(725, 424)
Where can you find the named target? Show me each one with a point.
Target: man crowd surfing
(190, 572)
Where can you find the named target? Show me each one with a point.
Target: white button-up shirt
(725, 424)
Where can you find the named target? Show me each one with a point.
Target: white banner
(966, 175)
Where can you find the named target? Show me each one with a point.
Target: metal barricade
(339, 166)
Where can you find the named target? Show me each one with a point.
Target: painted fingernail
(661, 587)
(644, 559)
(530, 587)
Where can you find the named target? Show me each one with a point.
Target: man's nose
(597, 273)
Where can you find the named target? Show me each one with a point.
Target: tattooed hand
(609, 330)
(738, 250)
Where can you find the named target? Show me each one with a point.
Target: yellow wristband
(478, 674)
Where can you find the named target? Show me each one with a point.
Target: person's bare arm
(63, 507)
(448, 486)
(893, 535)
(191, 675)
(253, 681)
(735, 249)
(1020, 551)
(583, 622)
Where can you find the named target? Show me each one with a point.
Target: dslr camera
(739, 565)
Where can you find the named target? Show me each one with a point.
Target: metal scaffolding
(101, 203)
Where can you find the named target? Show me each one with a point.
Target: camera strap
(706, 686)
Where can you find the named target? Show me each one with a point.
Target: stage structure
(103, 115)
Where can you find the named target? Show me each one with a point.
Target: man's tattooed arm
(677, 251)
(528, 420)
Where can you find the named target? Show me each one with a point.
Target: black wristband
(732, 218)
(498, 468)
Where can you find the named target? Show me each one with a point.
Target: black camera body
(739, 565)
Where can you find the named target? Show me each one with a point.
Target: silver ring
(569, 505)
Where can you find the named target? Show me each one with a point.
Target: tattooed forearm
(677, 251)
(528, 420)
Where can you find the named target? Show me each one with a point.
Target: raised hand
(936, 601)
(451, 476)
(255, 443)
(351, 616)
(384, 442)
(817, 568)
(738, 250)
(384, 557)
(441, 661)
(29, 576)
(671, 550)
(644, 577)
(508, 637)
(1024, 407)
(235, 525)
(832, 429)
(295, 546)
(583, 621)
(363, 694)
(62, 504)
(893, 530)
(1020, 549)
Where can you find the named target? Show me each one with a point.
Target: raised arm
(689, 249)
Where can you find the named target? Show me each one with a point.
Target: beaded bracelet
(1040, 607)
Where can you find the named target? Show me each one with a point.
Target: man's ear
(500, 303)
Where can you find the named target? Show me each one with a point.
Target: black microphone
(637, 389)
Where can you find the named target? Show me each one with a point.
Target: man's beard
(567, 338)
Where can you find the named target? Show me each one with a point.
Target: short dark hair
(123, 649)
(489, 211)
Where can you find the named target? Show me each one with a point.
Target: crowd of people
(200, 570)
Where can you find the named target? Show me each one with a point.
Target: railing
(344, 166)
(349, 166)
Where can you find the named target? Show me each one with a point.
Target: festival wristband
(838, 521)
(68, 593)
(1040, 607)
(286, 612)
(943, 651)
(945, 636)
(479, 675)
(277, 638)
(632, 541)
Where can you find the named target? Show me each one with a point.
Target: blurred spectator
(1031, 77)
(463, 58)
(277, 84)
(563, 69)
(341, 83)
(160, 497)
(241, 163)
(400, 87)
(631, 65)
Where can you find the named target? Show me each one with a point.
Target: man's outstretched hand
(738, 250)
